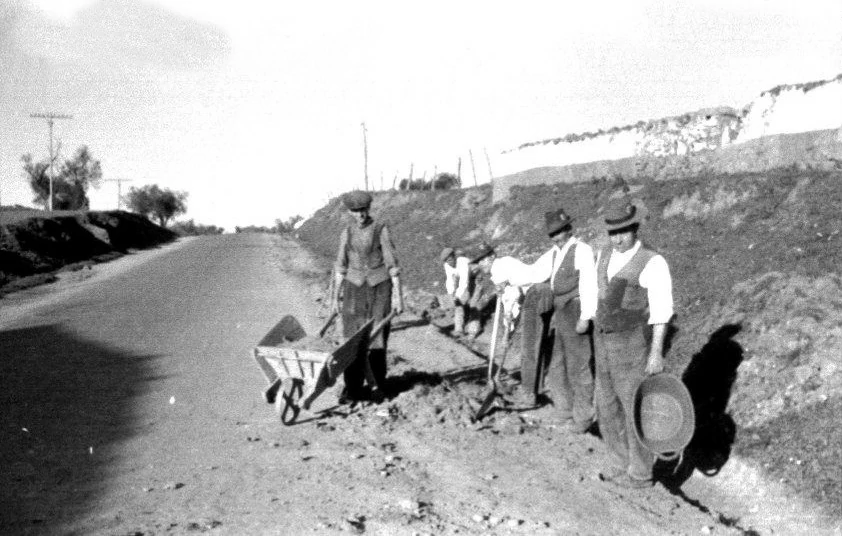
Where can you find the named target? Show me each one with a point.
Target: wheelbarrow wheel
(287, 403)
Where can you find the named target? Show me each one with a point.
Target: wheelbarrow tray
(313, 370)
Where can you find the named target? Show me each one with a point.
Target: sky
(256, 108)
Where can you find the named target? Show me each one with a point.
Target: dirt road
(132, 406)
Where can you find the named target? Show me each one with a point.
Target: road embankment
(33, 247)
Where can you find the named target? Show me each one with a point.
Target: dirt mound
(33, 245)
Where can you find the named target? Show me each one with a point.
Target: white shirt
(502, 269)
(456, 277)
(655, 278)
(545, 268)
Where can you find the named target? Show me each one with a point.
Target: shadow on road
(67, 404)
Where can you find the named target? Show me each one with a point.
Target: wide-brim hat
(484, 250)
(622, 213)
(446, 253)
(557, 221)
(357, 200)
(664, 417)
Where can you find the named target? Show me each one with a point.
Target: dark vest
(623, 304)
(565, 282)
(365, 255)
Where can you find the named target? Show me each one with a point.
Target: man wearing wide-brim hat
(561, 300)
(367, 277)
(634, 301)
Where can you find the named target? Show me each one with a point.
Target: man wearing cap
(562, 300)
(367, 277)
(456, 281)
(489, 274)
(482, 289)
(634, 306)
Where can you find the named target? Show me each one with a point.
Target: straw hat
(664, 418)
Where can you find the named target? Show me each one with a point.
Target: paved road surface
(137, 384)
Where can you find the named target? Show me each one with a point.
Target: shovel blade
(485, 407)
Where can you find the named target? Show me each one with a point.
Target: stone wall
(671, 146)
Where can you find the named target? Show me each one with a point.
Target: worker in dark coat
(634, 307)
(367, 278)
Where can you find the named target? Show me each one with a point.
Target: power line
(365, 155)
(51, 117)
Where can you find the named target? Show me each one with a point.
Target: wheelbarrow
(300, 368)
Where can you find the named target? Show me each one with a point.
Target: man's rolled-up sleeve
(463, 274)
(449, 280)
(588, 290)
(657, 281)
(537, 272)
(390, 259)
(340, 266)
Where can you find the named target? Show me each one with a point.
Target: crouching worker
(483, 294)
(367, 279)
(457, 283)
(493, 277)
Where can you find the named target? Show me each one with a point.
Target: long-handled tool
(492, 394)
(327, 324)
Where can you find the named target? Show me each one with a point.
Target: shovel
(327, 324)
(493, 393)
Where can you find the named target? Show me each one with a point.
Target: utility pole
(119, 189)
(365, 155)
(488, 160)
(473, 168)
(51, 117)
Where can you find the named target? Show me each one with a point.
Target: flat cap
(357, 200)
(445, 253)
(483, 251)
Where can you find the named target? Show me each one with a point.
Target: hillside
(754, 259)
(34, 244)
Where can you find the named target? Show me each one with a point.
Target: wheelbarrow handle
(375, 331)
(328, 323)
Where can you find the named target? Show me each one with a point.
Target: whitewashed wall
(792, 110)
(784, 110)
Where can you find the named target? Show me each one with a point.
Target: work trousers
(621, 359)
(567, 365)
(359, 305)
